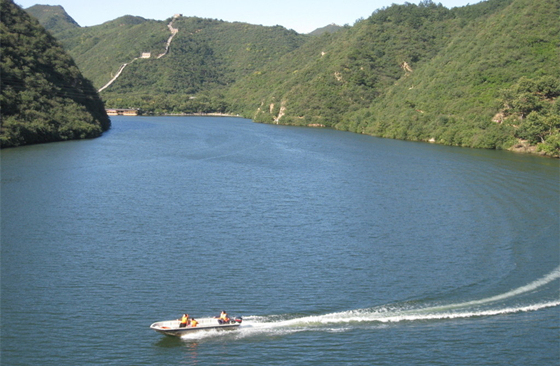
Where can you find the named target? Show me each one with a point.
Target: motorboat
(173, 328)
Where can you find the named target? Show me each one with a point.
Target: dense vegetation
(484, 75)
(205, 57)
(331, 28)
(44, 97)
(420, 72)
(454, 97)
(53, 18)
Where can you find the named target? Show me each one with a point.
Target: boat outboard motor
(239, 319)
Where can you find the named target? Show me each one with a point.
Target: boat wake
(394, 313)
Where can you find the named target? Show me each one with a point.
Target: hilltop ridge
(53, 17)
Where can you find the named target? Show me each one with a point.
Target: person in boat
(223, 319)
(194, 323)
(184, 321)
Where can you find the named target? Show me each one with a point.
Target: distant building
(122, 112)
(146, 55)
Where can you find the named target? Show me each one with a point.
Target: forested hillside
(462, 94)
(483, 75)
(424, 73)
(53, 18)
(205, 57)
(44, 97)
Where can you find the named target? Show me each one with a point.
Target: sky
(303, 16)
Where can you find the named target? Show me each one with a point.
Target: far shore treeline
(484, 76)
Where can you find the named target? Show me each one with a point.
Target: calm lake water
(336, 248)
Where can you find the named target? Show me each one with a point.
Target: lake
(336, 248)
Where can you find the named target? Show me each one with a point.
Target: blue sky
(302, 16)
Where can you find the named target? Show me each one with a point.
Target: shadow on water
(170, 342)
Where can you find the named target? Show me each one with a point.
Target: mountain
(53, 18)
(100, 50)
(44, 97)
(453, 97)
(483, 75)
(423, 73)
(331, 28)
(204, 57)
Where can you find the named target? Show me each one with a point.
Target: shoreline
(202, 115)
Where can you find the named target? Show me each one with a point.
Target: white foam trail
(390, 317)
(555, 274)
(342, 322)
(198, 335)
(388, 314)
(467, 314)
(396, 314)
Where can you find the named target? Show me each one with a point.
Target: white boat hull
(172, 328)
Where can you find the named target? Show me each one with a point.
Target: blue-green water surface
(336, 248)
